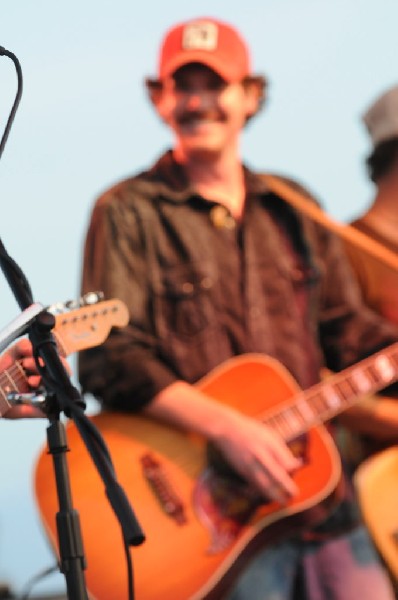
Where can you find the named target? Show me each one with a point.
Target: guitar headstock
(88, 325)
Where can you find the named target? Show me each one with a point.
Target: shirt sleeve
(126, 371)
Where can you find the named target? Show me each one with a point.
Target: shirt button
(220, 217)
(187, 287)
(206, 283)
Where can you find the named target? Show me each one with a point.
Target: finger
(282, 453)
(271, 475)
(29, 365)
(273, 492)
(22, 348)
(34, 381)
(6, 360)
(24, 412)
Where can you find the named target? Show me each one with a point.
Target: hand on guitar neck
(18, 359)
(83, 327)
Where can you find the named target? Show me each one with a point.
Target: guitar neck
(340, 391)
(77, 330)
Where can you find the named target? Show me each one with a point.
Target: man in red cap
(213, 265)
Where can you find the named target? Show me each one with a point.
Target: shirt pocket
(284, 281)
(184, 305)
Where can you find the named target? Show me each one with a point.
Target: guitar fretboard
(11, 380)
(327, 399)
(14, 378)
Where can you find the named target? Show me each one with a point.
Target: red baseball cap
(207, 41)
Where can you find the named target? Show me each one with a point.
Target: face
(205, 113)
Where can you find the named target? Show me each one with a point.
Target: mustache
(196, 115)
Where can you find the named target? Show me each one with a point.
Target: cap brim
(209, 60)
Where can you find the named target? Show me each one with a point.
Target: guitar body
(377, 487)
(195, 546)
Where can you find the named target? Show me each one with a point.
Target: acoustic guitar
(84, 327)
(202, 523)
(376, 482)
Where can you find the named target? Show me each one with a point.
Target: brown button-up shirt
(202, 288)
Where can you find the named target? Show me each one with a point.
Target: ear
(160, 101)
(255, 88)
(154, 88)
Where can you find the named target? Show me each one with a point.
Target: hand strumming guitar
(255, 452)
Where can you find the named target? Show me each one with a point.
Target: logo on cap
(202, 35)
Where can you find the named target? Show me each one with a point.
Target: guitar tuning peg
(92, 297)
(56, 308)
(88, 299)
(72, 304)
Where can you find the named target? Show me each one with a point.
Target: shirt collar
(170, 177)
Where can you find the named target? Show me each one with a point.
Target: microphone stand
(71, 553)
(62, 396)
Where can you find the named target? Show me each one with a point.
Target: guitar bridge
(158, 481)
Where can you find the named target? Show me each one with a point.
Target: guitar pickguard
(224, 503)
(223, 506)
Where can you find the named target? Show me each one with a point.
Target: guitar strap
(347, 232)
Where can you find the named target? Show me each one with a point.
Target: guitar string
(326, 399)
(14, 375)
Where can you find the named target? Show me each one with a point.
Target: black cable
(130, 570)
(10, 268)
(26, 592)
(56, 380)
(4, 52)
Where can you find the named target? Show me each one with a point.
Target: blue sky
(84, 122)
